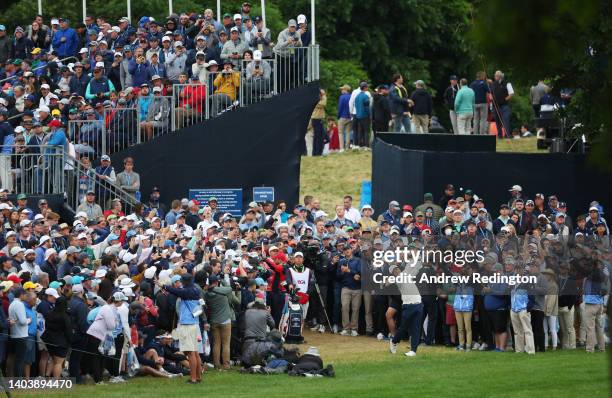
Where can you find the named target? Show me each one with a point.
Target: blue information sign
(228, 200)
(263, 194)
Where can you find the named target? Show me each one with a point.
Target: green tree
(566, 41)
(335, 73)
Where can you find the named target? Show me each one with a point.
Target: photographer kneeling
(257, 320)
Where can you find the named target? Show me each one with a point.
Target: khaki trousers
(566, 324)
(351, 300)
(523, 334)
(464, 328)
(593, 314)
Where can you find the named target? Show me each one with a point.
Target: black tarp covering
(253, 146)
(405, 175)
(441, 142)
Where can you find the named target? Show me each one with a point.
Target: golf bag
(291, 320)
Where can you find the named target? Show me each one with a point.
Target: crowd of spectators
(473, 108)
(110, 84)
(182, 287)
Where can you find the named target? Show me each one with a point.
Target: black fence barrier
(441, 142)
(405, 175)
(249, 147)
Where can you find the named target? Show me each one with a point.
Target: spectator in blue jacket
(349, 276)
(65, 40)
(188, 323)
(362, 109)
(138, 68)
(344, 117)
(481, 88)
(392, 215)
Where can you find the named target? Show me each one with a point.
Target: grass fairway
(329, 178)
(365, 368)
(523, 145)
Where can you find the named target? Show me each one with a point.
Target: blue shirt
(481, 88)
(343, 106)
(592, 295)
(31, 314)
(347, 279)
(519, 300)
(464, 101)
(362, 105)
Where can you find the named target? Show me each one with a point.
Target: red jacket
(277, 279)
(194, 96)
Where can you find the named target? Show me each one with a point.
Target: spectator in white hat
(516, 192)
(257, 75)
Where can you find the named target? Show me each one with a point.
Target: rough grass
(523, 145)
(365, 368)
(329, 178)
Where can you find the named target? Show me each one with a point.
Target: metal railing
(224, 92)
(189, 104)
(82, 178)
(157, 119)
(296, 66)
(6, 79)
(258, 81)
(32, 169)
(46, 170)
(99, 134)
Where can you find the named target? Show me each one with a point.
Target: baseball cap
(292, 22)
(52, 292)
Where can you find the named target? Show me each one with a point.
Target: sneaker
(380, 336)
(483, 347)
(476, 346)
(335, 329)
(321, 329)
(468, 349)
(315, 328)
(392, 347)
(460, 348)
(354, 333)
(345, 332)
(116, 379)
(410, 354)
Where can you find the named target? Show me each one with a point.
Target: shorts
(499, 320)
(55, 351)
(30, 353)
(395, 302)
(187, 336)
(450, 315)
